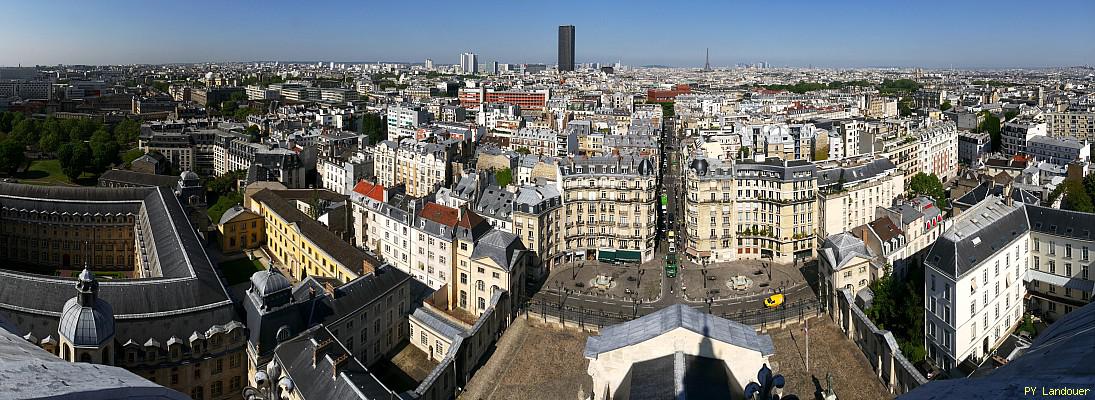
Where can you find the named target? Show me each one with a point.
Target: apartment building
(1059, 150)
(849, 192)
(433, 244)
(750, 209)
(488, 261)
(404, 120)
(973, 280)
(541, 142)
(339, 175)
(420, 166)
(537, 221)
(304, 245)
(609, 205)
(1078, 125)
(1016, 133)
(1060, 279)
(938, 149)
(846, 262)
(972, 146)
(526, 99)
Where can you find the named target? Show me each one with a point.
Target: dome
(268, 281)
(646, 167)
(700, 166)
(189, 176)
(86, 326)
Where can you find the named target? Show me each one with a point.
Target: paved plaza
(623, 282)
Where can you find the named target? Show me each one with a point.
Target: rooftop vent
(976, 240)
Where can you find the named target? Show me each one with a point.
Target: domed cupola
(646, 167)
(271, 287)
(86, 328)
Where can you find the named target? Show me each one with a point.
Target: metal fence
(596, 318)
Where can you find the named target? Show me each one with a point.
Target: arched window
(65, 353)
(85, 357)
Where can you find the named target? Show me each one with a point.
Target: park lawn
(239, 271)
(48, 172)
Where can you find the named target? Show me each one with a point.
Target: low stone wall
(879, 346)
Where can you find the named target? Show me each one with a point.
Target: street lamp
(268, 386)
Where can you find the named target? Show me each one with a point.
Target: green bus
(671, 265)
(665, 201)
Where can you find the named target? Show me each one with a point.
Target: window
(235, 383)
(482, 303)
(973, 306)
(218, 367)
(197, 393)
(1068, 250)
(217, 389)
(422, 338)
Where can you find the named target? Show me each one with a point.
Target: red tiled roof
(470, 219)
(447, 216)
(370, 190)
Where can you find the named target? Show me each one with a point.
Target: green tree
(945, 106)
(74, 158)
(503, 176)
(130, 155)
(374, 126)
(991, 124)
(7, 120)
(1076, 197)
(11, 155)
(49, 142)
(26, 131)
(127, 131)
(523, 150)
(929, 185)
(225, 183)
(104, 151)
(223, 204)
(1011, 114)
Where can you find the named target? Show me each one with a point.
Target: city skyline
(860, 34)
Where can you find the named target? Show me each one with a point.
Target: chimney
(319, 350)
(336, 365)
(329, 288)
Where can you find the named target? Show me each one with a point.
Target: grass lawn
(48, 172)
(239, 271)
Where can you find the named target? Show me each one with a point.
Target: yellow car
(774, 300)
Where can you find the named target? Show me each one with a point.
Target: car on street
(774, 300)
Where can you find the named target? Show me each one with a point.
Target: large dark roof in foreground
(188, 296)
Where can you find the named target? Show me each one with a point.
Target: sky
(932, 34)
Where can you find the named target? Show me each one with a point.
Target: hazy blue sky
(822, 33)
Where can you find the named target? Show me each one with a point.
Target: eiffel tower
(707, 61)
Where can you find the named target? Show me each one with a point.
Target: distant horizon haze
(835, 34)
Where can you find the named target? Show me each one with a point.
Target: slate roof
(133, 178)
(677, 316)
(496, 203)
(349, 380)
(858, 173)
(979, 193)
(439, 324)
(841, 248)
(188, 296)
(1066, 223)
(975, 235)
(501, 246)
